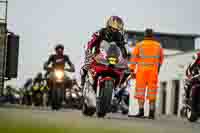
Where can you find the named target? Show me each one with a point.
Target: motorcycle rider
(112, 32)
(192, 70)
(37, 88)
(58, 60)
(38, 78)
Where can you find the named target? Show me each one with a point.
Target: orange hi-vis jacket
(147, 56)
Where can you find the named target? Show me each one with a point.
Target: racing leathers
(103, 34)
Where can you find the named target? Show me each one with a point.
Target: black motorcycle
(191, 108)
(57, 90)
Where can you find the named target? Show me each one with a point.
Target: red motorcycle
(105, 74)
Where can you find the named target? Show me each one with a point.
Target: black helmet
(59, 46)
(29, 80)
(148, 32)
(39, 75)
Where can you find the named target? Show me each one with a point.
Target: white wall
(174, 66)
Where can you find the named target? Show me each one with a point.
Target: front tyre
(56, 99)
(104, 99)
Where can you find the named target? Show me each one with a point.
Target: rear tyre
(183, 112)
(104, 100)
(87, 111)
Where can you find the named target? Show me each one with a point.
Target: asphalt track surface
(63, 116)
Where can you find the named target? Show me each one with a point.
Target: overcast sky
(43, 23)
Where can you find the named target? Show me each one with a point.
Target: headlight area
(80, 93)
(59, 75)
(112, 60)
(74, 95)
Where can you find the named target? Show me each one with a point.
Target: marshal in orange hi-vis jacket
(147, 57)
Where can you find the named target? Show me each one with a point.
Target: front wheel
(56, 99)
(104, 98)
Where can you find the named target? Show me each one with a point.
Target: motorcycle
(104, 75)
(120, 101)
(191, 108)
(74, 97)
(57, 90)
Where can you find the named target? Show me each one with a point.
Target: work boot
(140, 114)
(152, 114)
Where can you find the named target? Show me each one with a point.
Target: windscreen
(110, 49)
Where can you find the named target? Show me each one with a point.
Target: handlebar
(65, 69)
